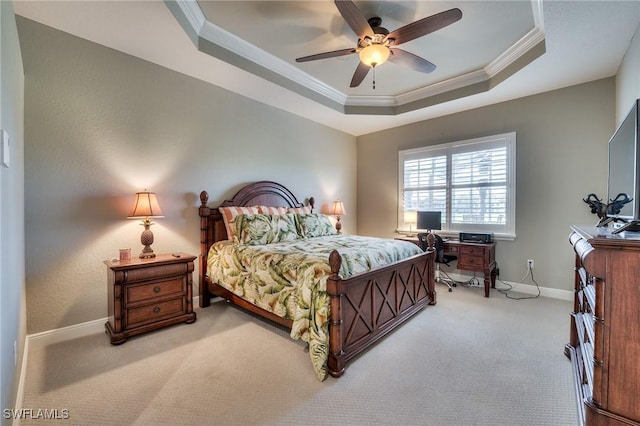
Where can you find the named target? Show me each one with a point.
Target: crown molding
(236, 45)
(240, 47)
(263, 64)
(192, 12)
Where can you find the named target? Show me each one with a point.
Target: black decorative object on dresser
(604, 343)
(148, 294)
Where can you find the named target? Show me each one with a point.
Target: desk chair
(440, 256)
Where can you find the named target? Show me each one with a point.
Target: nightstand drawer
(146, 294)
(157, 289)
(155, 312)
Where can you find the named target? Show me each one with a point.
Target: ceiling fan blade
(425, 26)
(407, 59)
(361, 72)
(354, 18)
(325, 55)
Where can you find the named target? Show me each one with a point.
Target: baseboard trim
(68, 333)
(21, 380)
(58, 335)
(531, 289)
(528, 289)
(75, 331)
(97, 326)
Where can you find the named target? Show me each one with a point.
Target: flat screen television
(624, 173)
(429, 220)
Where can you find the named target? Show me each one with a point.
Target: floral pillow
(314, 225)
(259, 229)
(228, 213)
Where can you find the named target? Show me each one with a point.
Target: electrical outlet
(529, 263)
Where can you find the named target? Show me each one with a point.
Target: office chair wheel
(450, 290)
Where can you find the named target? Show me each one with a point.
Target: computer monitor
(429, 220)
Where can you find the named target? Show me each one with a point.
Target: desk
(474, 257)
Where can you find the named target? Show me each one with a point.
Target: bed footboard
(366, 307)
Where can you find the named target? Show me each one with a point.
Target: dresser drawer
(473, 262)
(471, 257)
(471, 250)
(156, 289)
(452, 248)
(155, 312)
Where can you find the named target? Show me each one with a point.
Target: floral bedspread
(289, 278)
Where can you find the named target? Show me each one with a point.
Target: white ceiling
(584, 41)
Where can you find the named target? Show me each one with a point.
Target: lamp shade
(410, 217)
(374, 55)
(146, 205)
(338, 208)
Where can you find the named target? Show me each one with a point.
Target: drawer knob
(156, 309)
(157, 289)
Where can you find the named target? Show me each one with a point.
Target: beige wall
(561, 156)
(12, 278)
(101, 125)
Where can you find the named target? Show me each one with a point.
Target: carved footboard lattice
(366, 307)
(363, 308)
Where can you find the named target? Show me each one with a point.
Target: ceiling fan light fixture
(374, 55)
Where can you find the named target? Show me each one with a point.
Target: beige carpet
(466, 361)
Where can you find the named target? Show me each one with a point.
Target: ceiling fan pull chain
(374, 77)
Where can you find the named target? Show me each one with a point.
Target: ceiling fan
(377, 45)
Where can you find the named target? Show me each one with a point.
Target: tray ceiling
(493, 40)
(583, 41)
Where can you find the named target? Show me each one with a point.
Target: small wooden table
(148, 294)
(476, 257)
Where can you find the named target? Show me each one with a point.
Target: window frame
(507, 231)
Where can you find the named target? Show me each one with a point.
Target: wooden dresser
(147, 294)
(604, 343)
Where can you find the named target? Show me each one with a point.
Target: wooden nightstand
(148, 294)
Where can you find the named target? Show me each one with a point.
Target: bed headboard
(212, 229)
(263, 193)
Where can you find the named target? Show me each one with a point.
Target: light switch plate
(5, 148)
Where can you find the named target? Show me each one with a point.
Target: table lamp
(410, 218)
(338, 210)
(146, 208)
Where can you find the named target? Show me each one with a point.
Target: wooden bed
(363, 308)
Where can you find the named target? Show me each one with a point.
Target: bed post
(335, 290)
(204, 211)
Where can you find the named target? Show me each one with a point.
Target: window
(471, 182)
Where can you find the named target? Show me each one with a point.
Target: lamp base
(147, 254)
(147, 239)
